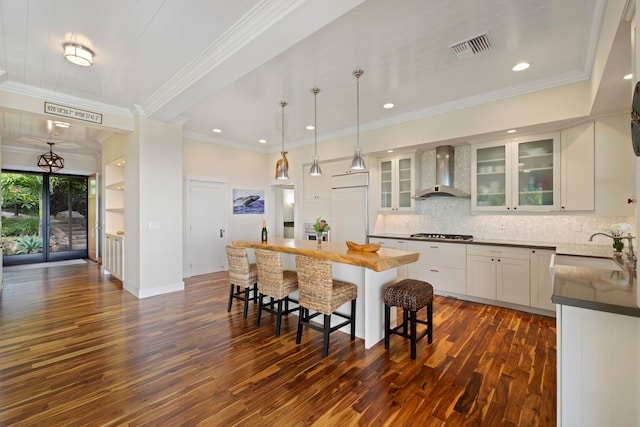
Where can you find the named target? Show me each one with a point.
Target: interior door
(206, 222)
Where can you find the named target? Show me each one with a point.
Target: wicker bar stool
(275, 283)
(243, 278)
(411, 295)
(320, 292)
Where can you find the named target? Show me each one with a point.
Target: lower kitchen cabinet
(498, 273)
(597, 368)
(541, 284)
(443, 265)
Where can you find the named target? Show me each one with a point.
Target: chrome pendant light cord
(358, 161)
(282, 167)
(315, 166)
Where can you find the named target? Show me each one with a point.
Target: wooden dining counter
(381, 260)
(369, 271)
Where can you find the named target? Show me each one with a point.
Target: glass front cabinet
(398, 177)
(516, 175)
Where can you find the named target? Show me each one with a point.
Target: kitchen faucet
(631, 256)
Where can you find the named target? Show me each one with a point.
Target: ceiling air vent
(467, 48)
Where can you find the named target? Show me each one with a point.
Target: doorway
(39, 208)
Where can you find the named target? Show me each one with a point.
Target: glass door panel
(491, 176)
(535, 173)
(386, 180)
(67, 214)
(404, 183)
(22, 228)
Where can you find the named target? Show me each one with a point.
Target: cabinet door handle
(434, 247)
(435, 271)
(221, 233)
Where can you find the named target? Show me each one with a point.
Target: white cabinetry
(498, 273)
(519, 174)
(317, 194)
(113, 254)
(541, 284)
(615, 167)
(401, 272)
(397, 182)
(577, 159)
(597, 368)
(443, 265)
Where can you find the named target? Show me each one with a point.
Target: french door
(44, 217)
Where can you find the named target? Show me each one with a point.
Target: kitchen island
(369, 271)
(598, 336)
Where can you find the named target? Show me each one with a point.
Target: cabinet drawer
(443, 279)
(440, 254)
(498, 251)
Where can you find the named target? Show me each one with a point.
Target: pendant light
(315, 167)
(50, 161)
(358, 161)
(282, 166)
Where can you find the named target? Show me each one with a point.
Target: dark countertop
(578, 286)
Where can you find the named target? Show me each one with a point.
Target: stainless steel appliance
(349, 207)
(439, 236)
(310, 232)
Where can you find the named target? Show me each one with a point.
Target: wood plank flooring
(77, 350)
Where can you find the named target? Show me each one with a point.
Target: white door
(206, 227)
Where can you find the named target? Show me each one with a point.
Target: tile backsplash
(453, 215)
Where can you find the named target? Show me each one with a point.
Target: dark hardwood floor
(77, 350)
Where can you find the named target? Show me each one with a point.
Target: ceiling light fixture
(521, 66)
(282, 166)
(388, 105)
(262, 141)
(50, 162)
(216, 130)
(511, 131)
(628, 76)
(78, 54)
(358, 161)
(315, 166)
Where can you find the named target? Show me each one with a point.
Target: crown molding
(260, 18)
(49, 95)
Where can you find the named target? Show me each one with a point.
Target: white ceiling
(228, 63)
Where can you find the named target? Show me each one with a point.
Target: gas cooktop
(438, 236)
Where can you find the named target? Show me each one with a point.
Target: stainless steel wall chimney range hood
(445, 163)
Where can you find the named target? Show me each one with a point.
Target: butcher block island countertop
(383, 259)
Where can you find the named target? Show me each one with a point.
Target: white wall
(237, 168)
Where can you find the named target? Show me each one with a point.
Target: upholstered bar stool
(243, 277)
(276, 283)
(319, 291)
(411, 295)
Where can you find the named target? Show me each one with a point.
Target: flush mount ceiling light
(315, 166)
(50, 162)
(358, 161)
(78, 54)
(282, 166)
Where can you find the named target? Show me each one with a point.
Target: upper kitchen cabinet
(577, 159)
(397, 183)
(517, 175)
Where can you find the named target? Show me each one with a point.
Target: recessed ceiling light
(310, 127)
(511, 131)
(628, 76)
(389, 151)
(262, 141)
(521, 66)
(388, 105)
(216, 130)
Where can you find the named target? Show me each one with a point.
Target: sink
(587, 262)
